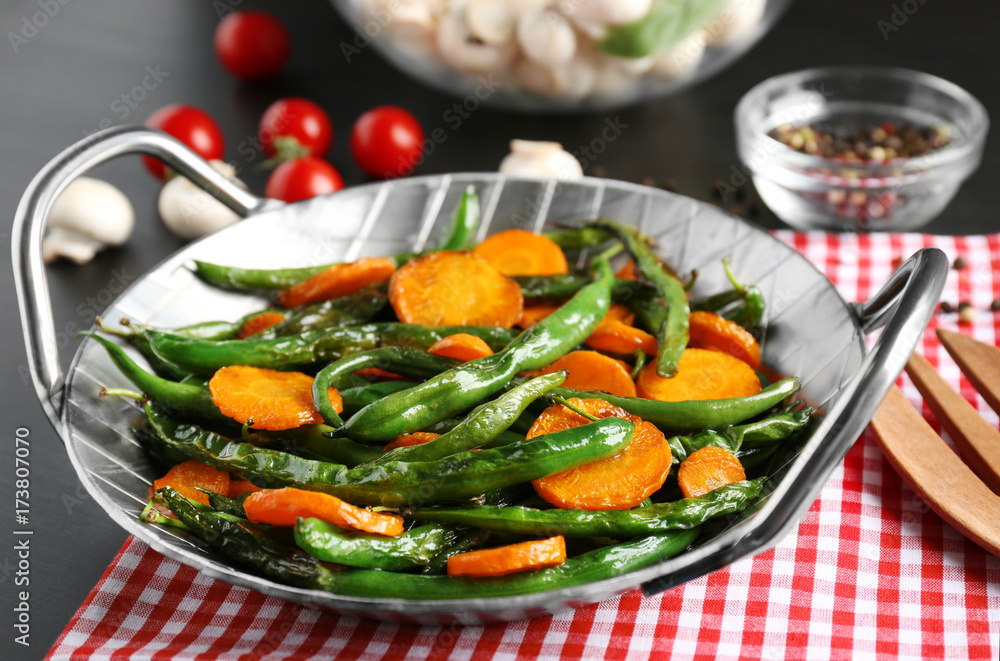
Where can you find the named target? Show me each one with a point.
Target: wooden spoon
(936, 473)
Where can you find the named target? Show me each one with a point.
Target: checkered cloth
(870, 572)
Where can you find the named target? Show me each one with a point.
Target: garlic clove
(546, 37)
(682, 58)
(461, 50)
(189, 211)
(539, 79)
(610, 12)
(735, 20)
(491, 21)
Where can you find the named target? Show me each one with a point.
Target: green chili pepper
(575, 238)
(411, 550)
(455, 478)
(775, 428)
(563, 286)
(621, 524)
(315, 441)
(225, 504)
(672, 332)
(266, 280)
(640, 362)
(470, 541)
(206, 357)
(406, 361)
(463, 223)
(358, 397)
(749, 314)
(189, 398)
(696, 414)
(248, 547)
(482, 425)
(450, 392)
(357, 308)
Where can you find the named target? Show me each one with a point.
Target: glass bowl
(430, 40)
(893, 194)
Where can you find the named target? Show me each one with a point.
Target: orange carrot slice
(239, 487)
(273, 400)
(338, 280)
(189, 476)
(258, 323)
(589, 370)
(534, 554)
(622, 481)
(450, 288)
(533, 314)
(461, 346)
(283, 507)
(627, 272)
(708, 469)
(520, 252)
(701, 374)
(408, 440)
(615, 334)
(710, 331)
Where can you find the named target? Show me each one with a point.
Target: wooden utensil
(925, 462)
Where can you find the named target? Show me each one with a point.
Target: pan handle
(904, 305)
(37, 322)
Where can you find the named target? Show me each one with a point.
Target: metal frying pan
(812, 333)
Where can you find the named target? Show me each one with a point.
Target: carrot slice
(708, 469)
(461, 346)
(701, 374)
(523, 556)
(618, 313)
(408, 440)
(627, 272)
(239, 487)
(710, 331)
(589, 370)
(622, 481)
(189, 476)
(520, 252)
(533, 314)
(450, 288)
(283, 507)
(338, 280)
(273, 400)
(258, 323)
(377, 373)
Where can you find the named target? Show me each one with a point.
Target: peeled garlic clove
(491, 21)
(546, 37)
(461, 50)
(682, 58)
(531, 158)
(88, 216)
(190, 212)
(539, 79)
(734, 21)
(611, 12)
(611, 80)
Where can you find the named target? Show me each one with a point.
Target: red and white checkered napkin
(870, 572)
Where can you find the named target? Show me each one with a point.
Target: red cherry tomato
(295, 127)
(302, 178)
(192, 126)
(252, 45)
(387, 142)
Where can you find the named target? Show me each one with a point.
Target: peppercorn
(959, 263)
(947, 307)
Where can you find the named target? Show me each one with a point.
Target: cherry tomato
(302, 178)
(387, 142)
(192, 126)
(252, 45)
(294, 127)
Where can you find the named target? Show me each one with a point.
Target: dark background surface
(62, 83)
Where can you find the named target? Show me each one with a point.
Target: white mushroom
(540, 159)
(546, 37)
(460, 49)
(734, 21)
(609, 12)
(682, 58)
(190, 212)
(88, 216)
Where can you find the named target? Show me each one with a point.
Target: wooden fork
(965, 494)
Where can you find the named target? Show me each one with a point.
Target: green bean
(463, 223)
(469, 541)
(411, 550)
(660, 517)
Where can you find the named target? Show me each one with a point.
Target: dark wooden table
(64, 81)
